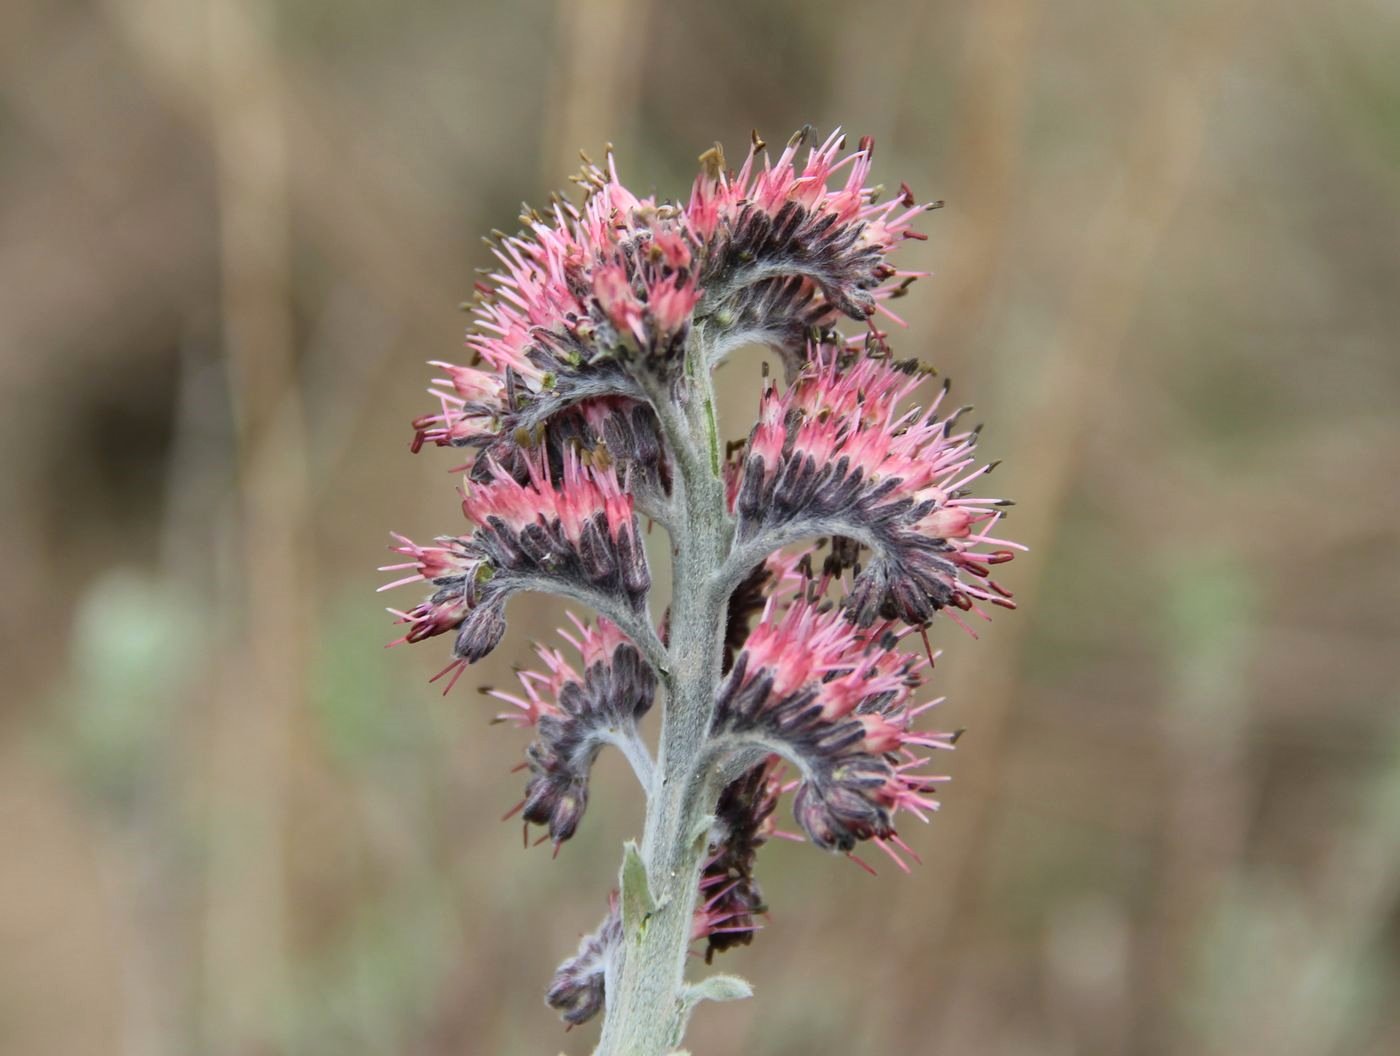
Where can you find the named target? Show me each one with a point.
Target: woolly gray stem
(645, 1006)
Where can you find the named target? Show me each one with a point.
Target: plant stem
(644, 1013)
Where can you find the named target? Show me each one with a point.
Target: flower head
(839, 450)
(580, 529)
(588, 297)
(837, 701)
(575, 715)
(787, 251)
(578, 293)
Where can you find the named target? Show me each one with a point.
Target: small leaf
(718, 988)
(637, 903)
(715, 988)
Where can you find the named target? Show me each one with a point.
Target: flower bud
(577, 989)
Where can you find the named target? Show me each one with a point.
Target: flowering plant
(846, 521)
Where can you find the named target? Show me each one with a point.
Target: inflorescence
(854, 513)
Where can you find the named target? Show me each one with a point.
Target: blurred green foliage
(136, 643)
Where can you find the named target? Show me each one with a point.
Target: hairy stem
(644, 1012)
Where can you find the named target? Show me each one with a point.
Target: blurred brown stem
(1078, 363)
(245, 939)
(596, 79)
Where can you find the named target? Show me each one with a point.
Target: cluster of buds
(575, 716)
(838, 700)
(851, 517)
(588, 296)
(838, 452)
(578, 532)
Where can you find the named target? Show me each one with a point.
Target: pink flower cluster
(762, 254)
(730, 895)
(597, 325)
(841, 448)
(575, 716)
(842, 235)
(573, 292)
(838, 701)
(578, 530)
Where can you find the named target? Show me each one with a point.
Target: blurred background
(231, 234)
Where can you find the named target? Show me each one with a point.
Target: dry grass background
(232, 233)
